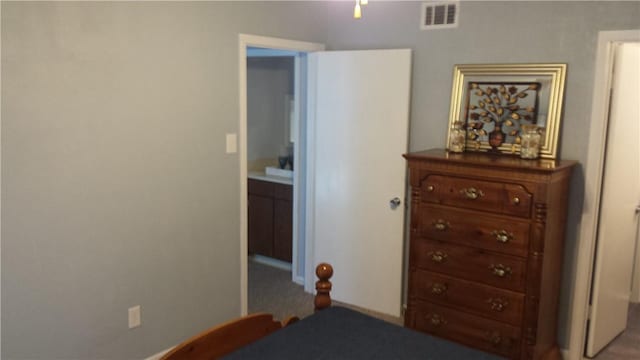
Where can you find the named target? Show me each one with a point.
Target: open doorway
(595, 169)
(608, 326)
(281, 63)
(271, 124)
(271, 136)
(345, 118)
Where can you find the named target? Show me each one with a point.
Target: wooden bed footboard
(228, 337)
(223, 339)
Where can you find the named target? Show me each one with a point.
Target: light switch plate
(232, 143)
(134, 317)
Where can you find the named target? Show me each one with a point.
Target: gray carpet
(627, 344)
(272, 291)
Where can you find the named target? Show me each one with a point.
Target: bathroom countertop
(260, 175)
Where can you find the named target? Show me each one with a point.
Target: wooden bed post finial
(322, 300)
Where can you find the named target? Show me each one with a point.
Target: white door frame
(594, 168)
(245, 40)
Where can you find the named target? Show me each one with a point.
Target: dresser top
(490, 160)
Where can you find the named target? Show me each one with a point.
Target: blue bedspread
(340, 333)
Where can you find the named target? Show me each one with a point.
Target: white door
(358, 125)
(620, 196)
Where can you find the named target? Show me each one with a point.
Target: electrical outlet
(134, 317)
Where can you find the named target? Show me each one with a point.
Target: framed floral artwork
(495, 101)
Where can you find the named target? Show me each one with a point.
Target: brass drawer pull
(493, 337)
(515, 200)
(438, 288)
(497, 304)
(502, 236)
(437, 256)
(436, 320)
(441, 225)
(430, 188)
(472, 193)
(500, 270)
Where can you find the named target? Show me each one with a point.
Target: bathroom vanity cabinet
(270, 219)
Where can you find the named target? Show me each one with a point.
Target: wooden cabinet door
(283, 226)
(260, 220)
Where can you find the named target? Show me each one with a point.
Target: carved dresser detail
(486, 247)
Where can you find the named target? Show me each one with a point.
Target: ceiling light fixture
(357, 11)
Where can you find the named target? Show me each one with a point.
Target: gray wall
(495, 32)
(116, 188)
(269, 79)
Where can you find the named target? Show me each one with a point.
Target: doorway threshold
(265, 260)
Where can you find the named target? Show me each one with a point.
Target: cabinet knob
(441, 225)
(436, 320)
(395, 202)
(515, 200)
(472, 193)
(437, 256)
(438, 288)
(493, 337)
(500, 270)
(497, 304)
(502, 236)
(430, 188)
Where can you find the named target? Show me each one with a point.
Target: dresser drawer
(475, 331)
(482, 300)
(474, 229)
(497, 197)
(507, 272)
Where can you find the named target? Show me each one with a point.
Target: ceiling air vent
(440, 15)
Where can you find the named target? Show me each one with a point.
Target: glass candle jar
(529, 142)
(457, 137)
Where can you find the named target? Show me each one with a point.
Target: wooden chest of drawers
(486, 243)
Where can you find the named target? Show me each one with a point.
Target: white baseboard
(565, 353)
(299, 280)
(159, 355)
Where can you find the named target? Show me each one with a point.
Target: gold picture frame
(518, 94)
